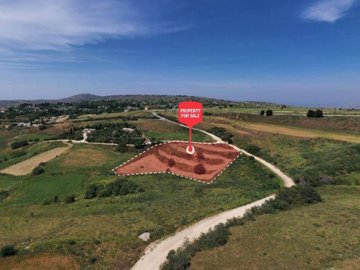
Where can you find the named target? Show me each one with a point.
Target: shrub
(214, 238)
(318, 113)
(55, 199)
(302, 193)
(8, 251)
(199, 169)
(177, 260)
(93, 191)
(222, 133)
(122, 148)
(120, 187)
(70, 199)
(269, 113)
(253, 149)
(38, 170)
(3, 195)
(18, 144)
(46, 202)
(310, 113)
(171, 163)
(262, 113)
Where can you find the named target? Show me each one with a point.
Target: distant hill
(136, 98)
(80, 97)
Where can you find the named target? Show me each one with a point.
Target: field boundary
(172, 173)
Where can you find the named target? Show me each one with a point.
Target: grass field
(321, 236)
(161, 130)
(107, 228)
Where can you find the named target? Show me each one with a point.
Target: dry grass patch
(43, 262)
(85, 157)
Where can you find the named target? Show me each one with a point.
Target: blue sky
(303, 52)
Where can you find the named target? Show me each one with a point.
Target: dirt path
(25, 167)
(155, 253)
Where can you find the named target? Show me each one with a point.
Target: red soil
(208, 161)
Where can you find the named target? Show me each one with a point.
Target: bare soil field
(208, 162)
(26, 167)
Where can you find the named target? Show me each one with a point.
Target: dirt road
(25, 167)
(155, 253)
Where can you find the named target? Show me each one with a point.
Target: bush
(318, 113)
(310, 113)
(38, 170)
(18, 144)
(177, 260)
(55, 199)
(269, 113)
(222, 133)
(3, 195)
(171, 163)
(262, 113)
(300, 194)
(93, 190)
(122, 148)
(199, 169)
(253, 149)
(8, 251)
(70, 199)
(46, 202)
(120, 187)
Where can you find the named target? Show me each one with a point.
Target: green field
(320, 236)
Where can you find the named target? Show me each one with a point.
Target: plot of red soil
(208, 161)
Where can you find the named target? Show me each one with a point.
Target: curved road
(155, 253)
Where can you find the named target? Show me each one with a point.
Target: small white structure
(145, 236)
(130, 130)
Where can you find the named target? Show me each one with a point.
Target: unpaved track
(155, 253)
(25, 167)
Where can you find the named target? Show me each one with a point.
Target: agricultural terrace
(206, 164)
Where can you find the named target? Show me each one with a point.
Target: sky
(304, 52)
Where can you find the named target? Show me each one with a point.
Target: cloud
(62, 24)
(328, 10)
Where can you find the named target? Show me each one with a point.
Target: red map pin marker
(190, 114)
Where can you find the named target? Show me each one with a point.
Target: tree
(269, 113)
(262, 113)
(311, 113)
(319, 113)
